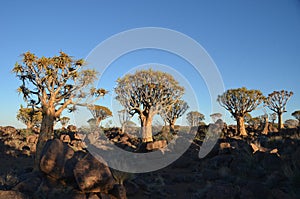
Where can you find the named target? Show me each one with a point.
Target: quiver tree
(30, 117)
(273, 117)
(216, 116)
(173, 113)
(64, 121)
(99, 113)
(52, 85)
(124, 117)
(194, 118)
(92, 123)
(276, 102)
(147, 93)
(296, 114)
(239, 102)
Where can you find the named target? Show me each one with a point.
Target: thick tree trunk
(146, 125)
(172, 126)
(98, 121)
(241, 126)
(46, 132)
(280, 124)
(266, 127)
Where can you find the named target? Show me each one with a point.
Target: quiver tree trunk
(241, 126)
(46, 133)
(266, 127)
(280, 124)
(146, 127)
(172, 126)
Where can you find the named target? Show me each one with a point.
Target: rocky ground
(257, 166)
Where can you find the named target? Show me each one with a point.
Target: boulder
(53, 158)
(93, 175)
(8, 131)
(12, 195)
(156, 145)
(65, 138)
(32, 139)
(118, 191)
(72, 128)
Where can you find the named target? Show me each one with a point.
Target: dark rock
(131, 188)
(258, 189)
(271, 162)
(93, 175)
(220, 191)
(210, 174)
(72, 128)
(54, 156)
(118, 191)
(30, 183)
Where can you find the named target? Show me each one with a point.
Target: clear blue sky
(254, 43)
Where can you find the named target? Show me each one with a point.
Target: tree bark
(266, 127)
(46, 132)
(146, 124)
(241, 126)
(172, 126)
(280, 125)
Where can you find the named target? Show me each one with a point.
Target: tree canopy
(99, 113)
(276, 101)
(194, 118)
(239, 102)
(53, 84)
(296, 114)
(174, 112)
(30, 117)
(147, 93)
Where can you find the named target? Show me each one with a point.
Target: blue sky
(254, 43)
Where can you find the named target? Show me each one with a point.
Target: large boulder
(93, 175)
(53, 158)
(156, 145)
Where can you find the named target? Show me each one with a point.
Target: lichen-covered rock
(93, 175)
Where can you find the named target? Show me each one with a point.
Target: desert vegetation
(256, 158)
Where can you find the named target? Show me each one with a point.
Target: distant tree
(52, 85)
(99, 113)
(147, 93)
(276, 102)
(247, 118)
(174, 112)
(194, 118)
(291, 123)
(30, 117)
(216, 116)
(64, 121)
(124, 117)
(254, 122)
(92, 123)
(273, 117)
(296, 114)
(239, 102)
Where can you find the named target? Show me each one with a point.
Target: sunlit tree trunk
(46, 133)
(172, 126)
(265, 130)
(280, 124)
(241, 126)
(146, 125)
